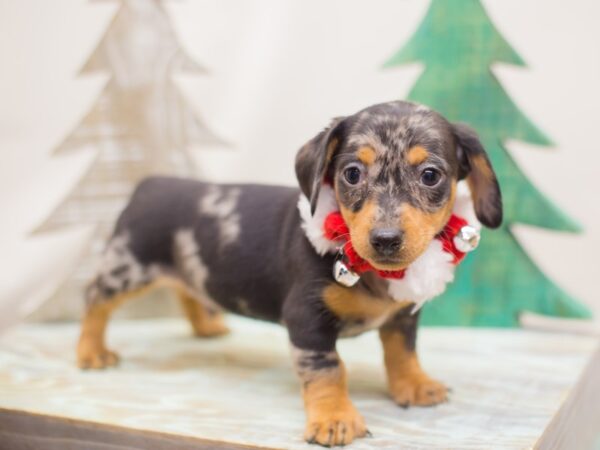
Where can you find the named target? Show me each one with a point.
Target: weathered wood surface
(23, 430)
(507, 384)
(577, 424)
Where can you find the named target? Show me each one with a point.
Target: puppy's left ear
(475, 166)
(313, 159)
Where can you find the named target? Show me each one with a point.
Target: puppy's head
(394, 169)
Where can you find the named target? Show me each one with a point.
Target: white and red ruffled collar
(426, 277)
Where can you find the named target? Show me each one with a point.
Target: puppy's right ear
(314, 158)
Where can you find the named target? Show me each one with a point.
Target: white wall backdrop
(279, 70)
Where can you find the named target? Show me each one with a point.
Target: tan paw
(339, 427)
(96, 358)
(419, 390)
(212, 327)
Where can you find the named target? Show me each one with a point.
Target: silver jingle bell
(467, 239)
(344, 275)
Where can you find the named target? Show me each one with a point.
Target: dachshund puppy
(388, 177)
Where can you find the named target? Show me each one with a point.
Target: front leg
(331, 418)
(408, 383)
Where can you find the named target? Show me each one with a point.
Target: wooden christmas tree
(140, 124)
(457, 43)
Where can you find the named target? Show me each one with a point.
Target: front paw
(418, 389)
(335, 425)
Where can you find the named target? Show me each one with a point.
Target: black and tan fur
(241, 248)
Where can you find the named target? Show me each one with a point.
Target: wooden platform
(508, 385)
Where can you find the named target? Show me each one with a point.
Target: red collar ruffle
(335, 229)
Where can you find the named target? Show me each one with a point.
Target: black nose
(386, 241)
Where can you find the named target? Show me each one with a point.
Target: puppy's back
(159, 206)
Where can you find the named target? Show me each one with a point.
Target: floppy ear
(313, 159)
(475, 166)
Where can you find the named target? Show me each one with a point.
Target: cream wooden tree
(140, 124)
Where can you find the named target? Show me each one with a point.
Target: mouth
(388, 263)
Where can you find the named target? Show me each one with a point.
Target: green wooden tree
(458, 43)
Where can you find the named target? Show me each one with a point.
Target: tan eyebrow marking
(367, 155)
(416, 155)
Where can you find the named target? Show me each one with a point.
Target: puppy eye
(352, 175)
(430, 177)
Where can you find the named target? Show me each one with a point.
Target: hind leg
(120, 277)
(205, 322)
(92, 352)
